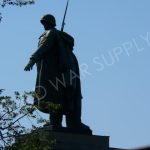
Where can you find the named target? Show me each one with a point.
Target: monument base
(73, 141)
(66, 140)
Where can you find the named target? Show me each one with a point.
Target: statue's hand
(30, 65)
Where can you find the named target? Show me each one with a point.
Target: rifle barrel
(63, 23)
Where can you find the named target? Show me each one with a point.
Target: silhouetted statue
(58, 78)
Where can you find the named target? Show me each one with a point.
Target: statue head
(48, 21)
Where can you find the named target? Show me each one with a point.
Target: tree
(15, 111)
(19, 3)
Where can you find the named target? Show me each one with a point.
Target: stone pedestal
(67, 141)
(73, 141)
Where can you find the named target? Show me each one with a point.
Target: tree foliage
(14, 114)
(15, 3)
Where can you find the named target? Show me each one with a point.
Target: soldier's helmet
(48, 19)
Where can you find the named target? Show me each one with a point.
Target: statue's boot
(55, 121)
(75, 125)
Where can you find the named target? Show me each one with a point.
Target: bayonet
(63, 22)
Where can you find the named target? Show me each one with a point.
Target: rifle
(63, 22)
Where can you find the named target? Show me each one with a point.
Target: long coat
(55, 61)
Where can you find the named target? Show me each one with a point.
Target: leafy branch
(19, 3)
(13, 115)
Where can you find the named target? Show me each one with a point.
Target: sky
(112, 44)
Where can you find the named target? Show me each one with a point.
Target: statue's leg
(73, 117)
(56, 119)
(73, 120)
(73, 109)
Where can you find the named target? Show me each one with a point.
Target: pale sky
(112, 44)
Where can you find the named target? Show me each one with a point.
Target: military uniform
(58, 77)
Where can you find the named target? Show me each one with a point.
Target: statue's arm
(45, 46)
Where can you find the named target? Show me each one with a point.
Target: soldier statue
(58, 78)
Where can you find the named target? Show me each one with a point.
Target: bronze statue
(58, 78)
